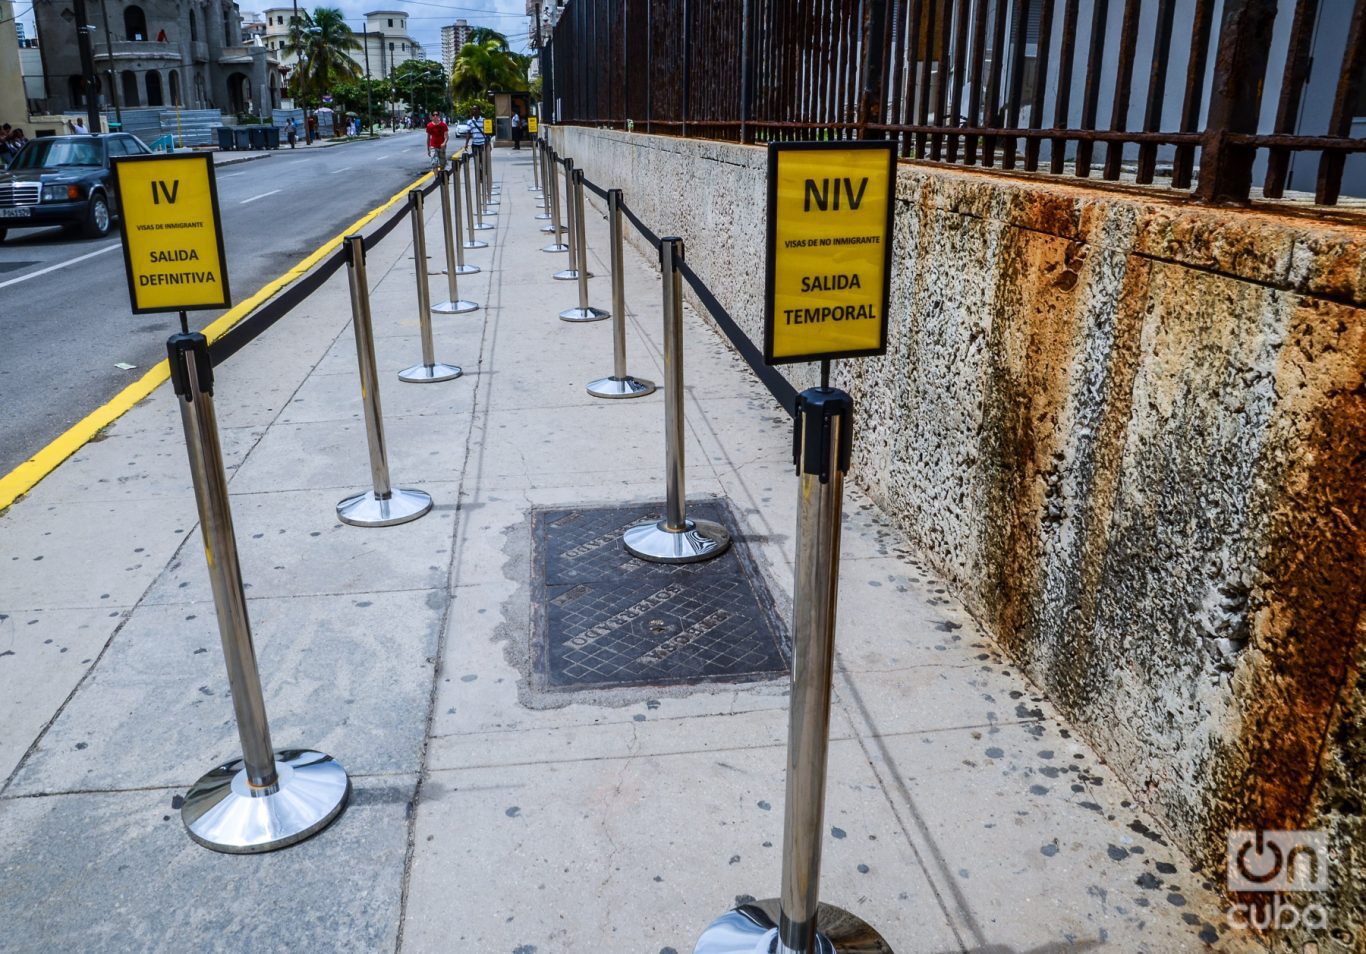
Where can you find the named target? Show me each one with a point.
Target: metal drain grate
(604, 618)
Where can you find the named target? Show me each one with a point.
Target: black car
(64, 180)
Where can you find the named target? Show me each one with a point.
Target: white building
(385, 40)
(453, 37)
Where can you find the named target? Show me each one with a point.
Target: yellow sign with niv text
(488, 126)
(829, 250)
(532, 125)
(172, 242)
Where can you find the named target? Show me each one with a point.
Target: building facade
(453, 37)
(186, 53)
(13, 106)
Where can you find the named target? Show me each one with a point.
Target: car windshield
(56, 153)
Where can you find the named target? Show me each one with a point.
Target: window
(405, 48)
(391, 21)
(391, 47)
(154, 88)
(194, 27)
(118, 146)
(134, 23)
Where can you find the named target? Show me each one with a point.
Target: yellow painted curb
(26, 476)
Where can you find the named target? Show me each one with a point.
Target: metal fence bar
(1091, 94)
(1124, 79)
(1344, 107)
(1157, 85)
(1244, 44)
(1031, 161)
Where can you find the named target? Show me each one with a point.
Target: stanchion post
(480, 225)
(430, 370)
(550, 200)
(490, 197)
(619, 384)
(383, 506)
(535, 170)
(458, 218)
(798, 919)
(453, 305)
(265, 799)
(571, 273)
(584, 311)
(471, 241)
(675, 539)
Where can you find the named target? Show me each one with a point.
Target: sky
(425, 18)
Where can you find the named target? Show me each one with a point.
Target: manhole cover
(605, 618)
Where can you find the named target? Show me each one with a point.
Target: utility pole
(109, 50)
(92, 106)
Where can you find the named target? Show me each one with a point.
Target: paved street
(64, 316)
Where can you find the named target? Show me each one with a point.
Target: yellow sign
(488, 126)
(829, 250)
(172, 243)
(532, 125)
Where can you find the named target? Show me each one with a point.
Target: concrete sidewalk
(488, 816)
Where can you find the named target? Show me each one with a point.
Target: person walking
(516, 129)
(436, 141)
(291, 133)
(78, 127)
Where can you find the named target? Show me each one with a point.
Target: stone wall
(1131, 431)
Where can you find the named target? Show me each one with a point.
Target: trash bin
(258, 136)
(224, 137)
(272, 136)
(241, 135)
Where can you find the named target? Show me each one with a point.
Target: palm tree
(322, 42)
(481, 35)
(480, 67)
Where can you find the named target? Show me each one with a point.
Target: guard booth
(505, 102)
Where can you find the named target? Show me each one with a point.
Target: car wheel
(97, 219)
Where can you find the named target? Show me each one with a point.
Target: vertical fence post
(619, 384)
(430, 370)
(746, 69)
(584, 311)
(265, 799)
(870, 99)
(384, 506)
(675, 539)
(1235, 100)
(552, 184)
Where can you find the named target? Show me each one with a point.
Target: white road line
(381, 156)
(342, 169)
(231, 175)
(261, 196)
(53, 268)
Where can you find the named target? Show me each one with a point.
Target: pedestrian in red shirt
(436, 141)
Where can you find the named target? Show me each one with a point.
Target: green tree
(480, 67)
(322, 42)
(481, 35)
(422, 84)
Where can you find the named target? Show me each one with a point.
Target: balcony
(199, 50)
(136, 49)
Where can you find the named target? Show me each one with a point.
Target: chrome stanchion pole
(384, 506)
(550, 205)
(265, 799)
(479, 210)
(675, 539)
(535, 170)
(458, 218)
(490, 194)
(584, 312)
(430, 370)
(798, 923)
(454, 305)
(619, 384)
(571, 273)
(471, 241)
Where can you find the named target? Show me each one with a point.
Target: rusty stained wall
(1132, 433)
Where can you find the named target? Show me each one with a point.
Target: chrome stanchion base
(543, 217)
(222, 812)
(367, 510)
(627, 387)
(753, 929)
(584, 314)
(568, 274)
(484, 227)
(469, 269)
(459, 307)
(556, 247)
(702, 540)
(490, 212)
(474, 243)
(429, 373)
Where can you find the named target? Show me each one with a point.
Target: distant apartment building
(453, 37)
(385, 41)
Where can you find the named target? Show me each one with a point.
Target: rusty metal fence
(1156, 87)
